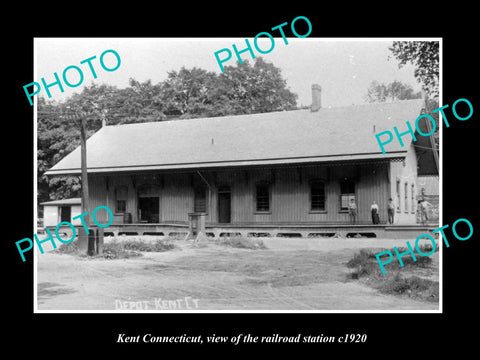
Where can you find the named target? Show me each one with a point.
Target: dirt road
(289, 275)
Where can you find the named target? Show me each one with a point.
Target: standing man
(424, 205)
(352, 211)
(391, 211)
(374, 209)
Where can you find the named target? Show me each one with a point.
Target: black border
(387, 333)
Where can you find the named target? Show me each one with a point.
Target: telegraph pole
(82, 234)
(83, 151)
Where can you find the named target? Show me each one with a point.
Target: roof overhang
(72, 201)
(237, 163)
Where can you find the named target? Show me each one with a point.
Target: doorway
(224, 205)
(148, 209)
(65, 214)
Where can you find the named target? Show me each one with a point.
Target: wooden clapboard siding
(129, 182)
(404, 171)
(98, 197)
(101, 194)
(177, 198)
(290, 200)
(286, 204)
(373, 186)
(242, 201)
(290, 193)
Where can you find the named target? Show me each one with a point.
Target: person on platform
(374, 210)
(391, 211)
(424, 205)
(352, 211)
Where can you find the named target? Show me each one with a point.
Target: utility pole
(83, 151)
(82, 234)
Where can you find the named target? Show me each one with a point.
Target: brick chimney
(316, 98)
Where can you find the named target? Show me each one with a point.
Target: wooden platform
(217, 231)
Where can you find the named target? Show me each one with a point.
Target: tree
(424, 55)
(140, 102)
(255, 89)
(56, 137)
(188, 93)
(241, 89)
(396, 90)
(393, 91)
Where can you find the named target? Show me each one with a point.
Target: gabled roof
(299, 136)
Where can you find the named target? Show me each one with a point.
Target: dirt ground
(292, 274)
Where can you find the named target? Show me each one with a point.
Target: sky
(344, 68)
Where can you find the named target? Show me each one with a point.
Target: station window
(262, 197)
(121, 193)
(317, 195)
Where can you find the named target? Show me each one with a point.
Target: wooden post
(83, 237)
(201, 234)
(191, 219)
(83, 139)
(196, 224)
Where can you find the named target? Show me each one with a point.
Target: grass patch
(366, 261)
(70, 249)
(131, 248)
(365, 267)
(412, 286)
(143, 246)
(243, 243)
(119, 249)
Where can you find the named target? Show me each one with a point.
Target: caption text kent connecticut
(241, 339)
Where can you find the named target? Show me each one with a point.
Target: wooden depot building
(279, 173)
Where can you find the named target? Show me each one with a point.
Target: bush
(117, 250)
(71, 248)
(365, 265)
(361, 258)
(243, 243)
(366, 261)
(142, 246)
(132, 248)
(413, 286)
(422, 261)
(120, 249)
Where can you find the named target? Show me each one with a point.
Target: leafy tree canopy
(424, 55)
(184, 94)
